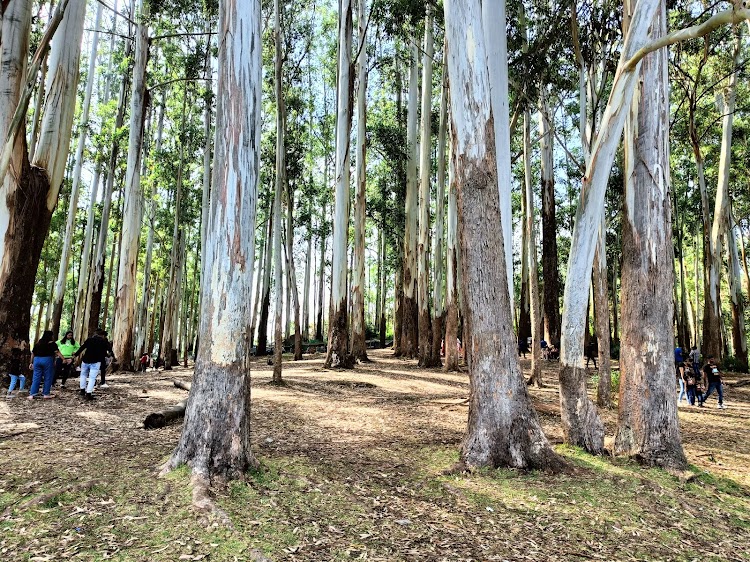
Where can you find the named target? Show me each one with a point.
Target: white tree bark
(359, 346)
(581, 424)
(426, 358)
(133, 203)
(62, 275)
(215, 440)
(338, 337)
(438, 310)
(494, 25)
(278, 344)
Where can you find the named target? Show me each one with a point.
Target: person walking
(94, 352)
(713, 382)
(43, 364)
(67, 346)
(691, 382)
(695, 357)
(15, 373)
(681, 381)
(108, 359)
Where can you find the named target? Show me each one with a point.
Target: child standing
(691, 382)
(15, 373)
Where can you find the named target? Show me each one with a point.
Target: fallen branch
(739, 383)
(161, 419)
(182, 385)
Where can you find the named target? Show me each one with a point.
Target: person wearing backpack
(691, 382)
(713, 382)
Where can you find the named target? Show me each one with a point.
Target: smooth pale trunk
(451, 294)
(359, 346)
(215, 439)
(581, 423)
(83, 275)
(278, 344)
(321, 283)
(263, 261)
(601, 315)
(647, 427)
(496, 41)
(133, 203)
(292, 276)
(503, 429)
(426, 356)
(206, 193)
(532, 264)
(306, 287)
(410, 321)
(62, 275)
(146, 291)
(338, 330)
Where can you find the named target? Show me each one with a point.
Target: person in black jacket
(94, 351)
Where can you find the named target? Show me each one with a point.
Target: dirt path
(353, 469)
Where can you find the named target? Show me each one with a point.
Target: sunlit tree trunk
(62, 276)
(278, 343)
(122, 337)
(359, 345)
(338, 330)
(215, 439)
(647, 426)
(410, 318)
(581, 423)
(503, 429)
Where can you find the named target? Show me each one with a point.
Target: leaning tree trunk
(426, 356)
(532, 264)
(647, 427)
(31, 190)
(550, 264)
(133, 202)
(452, 357)
(503, 429)
(215, 440)
(62, 276)
(581, 423)
(438, 306)
(359, 345)
(410, 318)
(338, 329)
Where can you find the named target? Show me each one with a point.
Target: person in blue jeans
(713, 380)
(15, 372)
(43, 364)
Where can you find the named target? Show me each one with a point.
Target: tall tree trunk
(532, 264)
(739, 338)
(647, 426)
(550, 265)
(62, 276)
(383, 291)
(263, 261)
(581, 423)
(265, 303)
(426, 358)
(338, 330)
(503, 429)
(215, 439)
(146, 292)
(122, 338)
(154, 314)
(452, 357)
(278, 343)
(306, 285)
(601, 314)
(321, 276)
(438, 305)
(359, 345)
(410, 318)
(79, 309)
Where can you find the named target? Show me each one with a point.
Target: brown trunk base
(410, 329)
(338, 356)
(582, 426)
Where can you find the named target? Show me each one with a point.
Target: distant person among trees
(94, 351)
(43, 364)
(691, 381)
(695, 357)
(681, 382)
(592, 352)
(15, 372)
(713, 382)
(523, 347)
(63, 367)
(144, 361)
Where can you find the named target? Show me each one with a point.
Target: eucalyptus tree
(221, 384)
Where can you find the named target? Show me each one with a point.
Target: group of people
(550, 352)
(692, 379)
(52, 360)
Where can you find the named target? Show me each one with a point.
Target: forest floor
(353, 467)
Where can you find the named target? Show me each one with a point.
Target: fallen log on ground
(161, 419)
(739, 383)
(182, 385)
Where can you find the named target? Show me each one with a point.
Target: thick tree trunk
(601, 314)
(581, 423)
(550, 265)
(503, 429)
(122, 338)
(426, 358)
(338, 329)
(410, 318)
(62, 276)
(359, 345)
(647, 426)
(215, 440)
(532, 264)
(452, 357)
